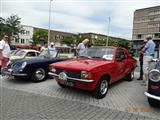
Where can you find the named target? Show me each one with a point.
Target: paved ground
(20, 105)
(47, 100)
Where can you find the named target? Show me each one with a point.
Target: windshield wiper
(98, 57)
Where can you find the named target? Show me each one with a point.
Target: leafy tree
(39, 36)
(71, 40)
(10, 26)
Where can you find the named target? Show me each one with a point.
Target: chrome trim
(152, 96)
(15, 74)
(74, 79)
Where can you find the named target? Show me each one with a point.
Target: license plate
(68, 83)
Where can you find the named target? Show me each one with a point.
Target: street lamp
(108, 30)
(49, 24)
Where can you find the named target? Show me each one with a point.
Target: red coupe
(95, 71)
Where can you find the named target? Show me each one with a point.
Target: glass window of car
(104, 53)
(30, 54)
(52, 53)
(20, 53)
(120, 55)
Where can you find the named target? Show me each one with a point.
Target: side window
(120, 55)
(31, 54)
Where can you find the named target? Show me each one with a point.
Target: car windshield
(50, 53)
(102, 53)
(20, 53)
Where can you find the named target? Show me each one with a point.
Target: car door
(120, 63)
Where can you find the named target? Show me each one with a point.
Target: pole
(108, 30)
(49, 25)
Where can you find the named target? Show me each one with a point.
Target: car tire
(39, 75)
(101, 88)
(61, 85)
(130, 76)
(153, 102)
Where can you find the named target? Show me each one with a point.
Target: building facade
(25, 36)
(146, 21)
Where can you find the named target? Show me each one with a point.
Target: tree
(10, 26)
(40, 36)
(70, 40)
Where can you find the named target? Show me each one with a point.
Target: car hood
(36, 60)
(81, 64)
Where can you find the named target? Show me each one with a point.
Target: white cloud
(77, 16)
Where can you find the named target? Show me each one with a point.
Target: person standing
(45, 46)
(141, 61)
(82, 47)
(4, 51)
(148, 50)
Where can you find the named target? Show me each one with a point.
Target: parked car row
(95, 71)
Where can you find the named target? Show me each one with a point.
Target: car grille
(72, 74)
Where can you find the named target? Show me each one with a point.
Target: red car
(95, 71)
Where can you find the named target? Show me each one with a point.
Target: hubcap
(103, 87)
(132, 74)
(40, 74)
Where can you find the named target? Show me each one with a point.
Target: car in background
(95, 71)
(24, 54)
(35, 68)
(153, 87)
(66, 52)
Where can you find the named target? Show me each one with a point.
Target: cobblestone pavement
(123, 96)
(21, 105)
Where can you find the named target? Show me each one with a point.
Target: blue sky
(78, 16)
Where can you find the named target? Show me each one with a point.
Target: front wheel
(101, 88)
(130, 76)
(39, 75)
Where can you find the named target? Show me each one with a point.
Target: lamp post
(108, 31)
(49, 24)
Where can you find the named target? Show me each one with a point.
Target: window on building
(139, 36)
(157, 35)
(16, 40)
(22, 40)
(27, 32)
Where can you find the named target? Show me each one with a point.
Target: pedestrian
(148, 50)
(4, 52)
(82, 47)
(44, 46)
(141, 60)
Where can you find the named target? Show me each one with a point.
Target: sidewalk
(20, 105)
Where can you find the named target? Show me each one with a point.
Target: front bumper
(14, 74)
(152, 96)
(71, 79)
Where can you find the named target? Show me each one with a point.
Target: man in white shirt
(82, 48)
(4, 51)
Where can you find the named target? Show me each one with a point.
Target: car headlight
(52, 69)
(154, 75)
(84, 74)
(23, 65)
(9, 62)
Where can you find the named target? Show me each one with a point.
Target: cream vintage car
(24, 53)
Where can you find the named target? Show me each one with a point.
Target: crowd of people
(146, 54)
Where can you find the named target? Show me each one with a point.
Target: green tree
(70, 40)
(39, 36)
(10, 26)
